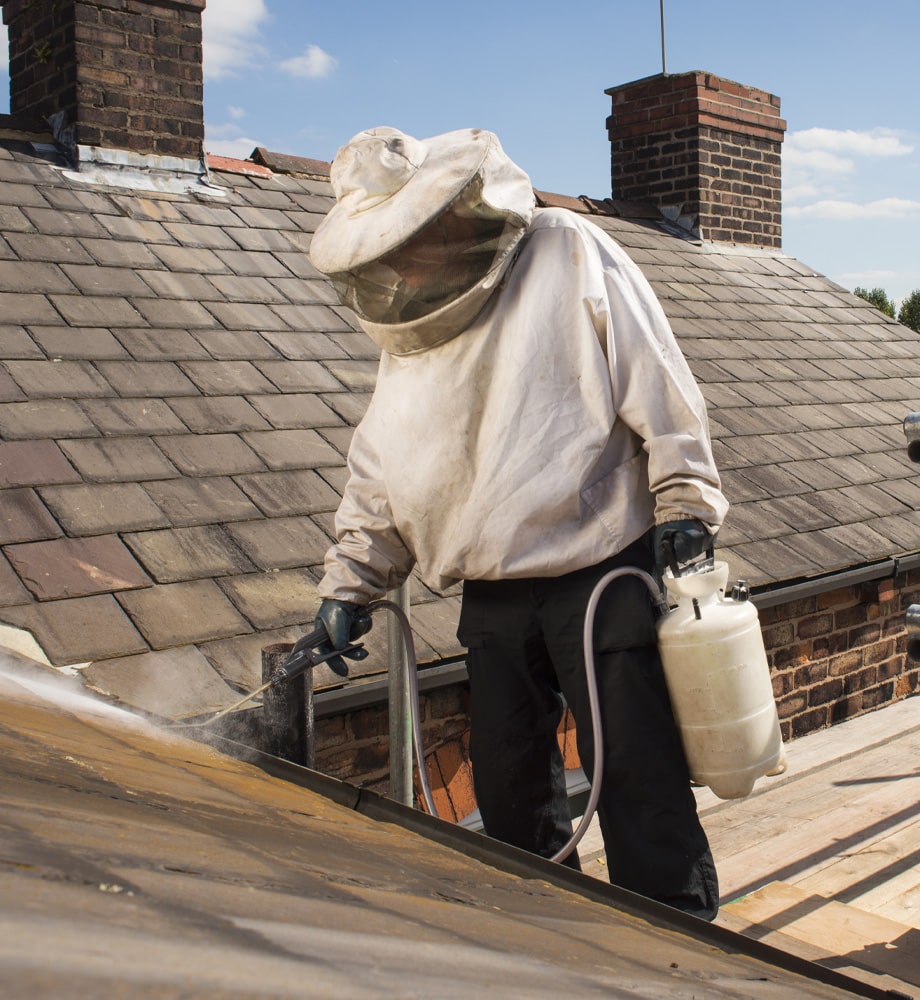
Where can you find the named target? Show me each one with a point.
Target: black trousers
(524, 639)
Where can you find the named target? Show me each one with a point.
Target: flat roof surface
(138, 862)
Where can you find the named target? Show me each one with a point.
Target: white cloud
(228, 140)
(848, 142)
(816, 160)
(230, 36)
(882, 208)
(236, 113)
(824, 168)
(239, 148)
(314, 63)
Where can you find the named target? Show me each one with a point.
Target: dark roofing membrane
(135, 860)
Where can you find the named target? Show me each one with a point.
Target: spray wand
(303, 655)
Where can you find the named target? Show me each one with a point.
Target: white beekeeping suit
(534, 425)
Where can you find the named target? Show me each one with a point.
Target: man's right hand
(344, 622)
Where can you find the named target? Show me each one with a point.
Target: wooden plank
(792, 850)
(849, 784)
(874, 874)
(843, 931)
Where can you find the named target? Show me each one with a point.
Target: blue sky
(301, 77)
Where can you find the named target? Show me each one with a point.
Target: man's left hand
(676, 543)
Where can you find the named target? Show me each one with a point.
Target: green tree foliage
(879, 298)
(909, 313)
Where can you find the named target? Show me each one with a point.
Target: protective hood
(422, 232)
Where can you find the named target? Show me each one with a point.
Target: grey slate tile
(299, 376)
(152, 344)
(254, 263)
(292, 449)
(26, 309)
(96, 310)
(180, 685)
(775, 559)
(48, 418)
(16, 343)
(278, 494)
(273, 600)
(34, 463)
(33, 276)
(217, 378)
(176, 614)
(113, 253)
(181, 259)
(93, 279)
(118, 460)
(42, 379)
(240, 288)
(120, 229)
(299, 346)
(191, 553)
(189, 501)
(11, 589)
(54, 222)
(202, 415)
(77, 343)
(235, 345)
(281, 542)
(356, 376)
(210, 454)
(82, 567)
(259, 240)
(136, 206)
(79, 629)
(172, 312)
(95, 509)
(137, 378)
(24, 518)
(174, 285)
(246, 316)
(295, 410)
(141, 416)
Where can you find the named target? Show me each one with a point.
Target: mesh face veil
(448, 256)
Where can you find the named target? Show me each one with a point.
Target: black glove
(676, 543)
(344, 622)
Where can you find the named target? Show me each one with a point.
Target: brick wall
(841, 654)
(124, 74)
(705, 148)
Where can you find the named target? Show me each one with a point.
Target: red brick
(818, 625)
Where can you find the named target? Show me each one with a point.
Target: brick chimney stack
(121, 75)
(705, 150)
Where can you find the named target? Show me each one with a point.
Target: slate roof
(179, 386)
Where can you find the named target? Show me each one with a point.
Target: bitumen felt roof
(178, 390)
(139, 863)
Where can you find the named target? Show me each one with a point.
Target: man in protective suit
(533, 426)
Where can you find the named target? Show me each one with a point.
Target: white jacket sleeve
(656, 395)
(370, 556)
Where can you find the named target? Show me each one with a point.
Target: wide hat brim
(346, 239)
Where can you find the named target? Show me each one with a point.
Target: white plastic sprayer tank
(719, 682)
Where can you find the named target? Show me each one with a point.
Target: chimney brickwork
(704, 149)
(111, 74)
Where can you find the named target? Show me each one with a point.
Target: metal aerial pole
(664, 62)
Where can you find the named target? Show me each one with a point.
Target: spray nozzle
(305, 654)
